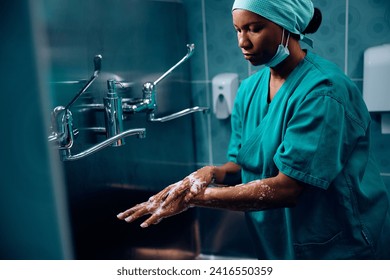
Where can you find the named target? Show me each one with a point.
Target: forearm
(276, 192)
(223, 173)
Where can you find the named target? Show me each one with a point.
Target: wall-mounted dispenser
(376, 82)
(224, 91)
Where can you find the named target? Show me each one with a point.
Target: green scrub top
(317, 131)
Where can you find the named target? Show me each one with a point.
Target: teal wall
(33, 222)
(211, 29)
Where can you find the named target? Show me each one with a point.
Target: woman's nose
(243, 41)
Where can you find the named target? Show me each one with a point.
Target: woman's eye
(254, 29)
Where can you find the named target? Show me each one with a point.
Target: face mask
(281, 54)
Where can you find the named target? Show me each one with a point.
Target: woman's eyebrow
(250, 23)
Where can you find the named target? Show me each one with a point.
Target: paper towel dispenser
(376, 82)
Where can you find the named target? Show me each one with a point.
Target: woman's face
(258, 38)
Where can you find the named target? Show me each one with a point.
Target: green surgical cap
(292, 15)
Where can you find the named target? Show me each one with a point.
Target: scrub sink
(98, 234)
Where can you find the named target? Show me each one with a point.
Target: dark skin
(258, 39)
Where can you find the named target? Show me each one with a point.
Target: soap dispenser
(224, 92)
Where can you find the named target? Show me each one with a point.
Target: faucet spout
(140, 132)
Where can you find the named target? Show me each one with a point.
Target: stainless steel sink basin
(98, 234)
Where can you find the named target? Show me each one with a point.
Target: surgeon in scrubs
(301, 144)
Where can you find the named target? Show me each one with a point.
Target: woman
(301, 141)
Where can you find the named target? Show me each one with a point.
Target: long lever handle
(190, 51)
(97, 61)
(178, 114)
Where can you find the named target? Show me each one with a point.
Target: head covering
(292, 15)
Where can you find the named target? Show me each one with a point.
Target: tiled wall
(348, 28)
(138, 45)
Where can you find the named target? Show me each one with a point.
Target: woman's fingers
(171, 200)
(176, 190)
(152, 220)
(133, 213)
(136, 215)
(129, 211)
(165, 210)
(144, 207)
(189, 196)
(139, 210)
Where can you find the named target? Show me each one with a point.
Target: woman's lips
(248, 56)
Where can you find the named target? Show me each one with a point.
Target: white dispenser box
(376, 82)
(225, 87)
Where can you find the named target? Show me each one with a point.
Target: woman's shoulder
(326, 79)
(321, 69)
(319, 74)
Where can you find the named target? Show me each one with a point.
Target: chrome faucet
(113, 113)
(62, 121)
(114, 108)
(148, 102)
(67, 156)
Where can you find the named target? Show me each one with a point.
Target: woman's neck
(280, 73)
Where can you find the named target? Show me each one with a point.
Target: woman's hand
(172, 200)
(199, 180)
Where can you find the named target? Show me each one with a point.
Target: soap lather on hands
(172, 200)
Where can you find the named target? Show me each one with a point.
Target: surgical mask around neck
(281, 53)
